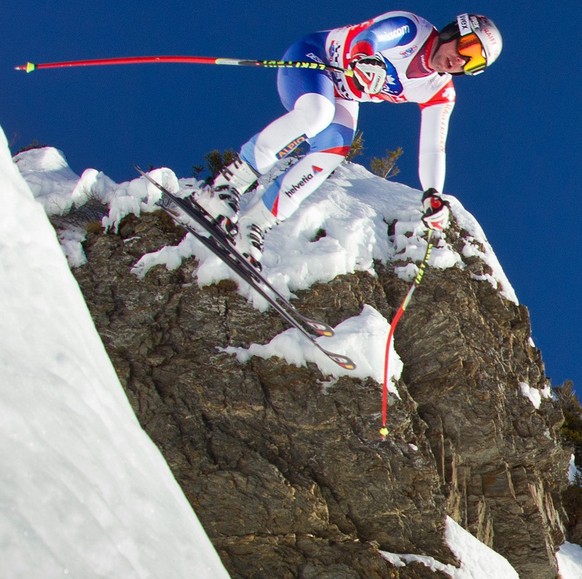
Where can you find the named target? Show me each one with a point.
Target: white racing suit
(323, 106)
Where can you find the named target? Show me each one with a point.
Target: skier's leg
(282, 198)
(327, 151)
(311, 114)
(308, 95)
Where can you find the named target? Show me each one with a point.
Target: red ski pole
(31, 66)
(417, 281)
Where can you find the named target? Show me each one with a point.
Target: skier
(396, 57)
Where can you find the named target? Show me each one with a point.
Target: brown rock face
(285, 468)
(496, 454)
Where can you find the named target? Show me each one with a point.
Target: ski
(218, 243)
(198, 214)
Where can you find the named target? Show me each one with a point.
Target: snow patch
(574, 474)
(477, 561)
(535, 395)
(362, 338)
(569, 557)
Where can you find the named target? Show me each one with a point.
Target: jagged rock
(465, 354)
(285, 469)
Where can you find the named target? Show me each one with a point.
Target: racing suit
(323, 106)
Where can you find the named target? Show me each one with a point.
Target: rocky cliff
(284, 464)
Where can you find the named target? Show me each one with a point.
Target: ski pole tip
(383, 432)
(28, 67)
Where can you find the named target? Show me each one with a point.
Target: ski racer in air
(397, 57)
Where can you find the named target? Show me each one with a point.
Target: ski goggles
(470, 48)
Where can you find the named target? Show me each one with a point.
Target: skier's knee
(318, 112)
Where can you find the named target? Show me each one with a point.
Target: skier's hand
(436, 212)
(369, 73)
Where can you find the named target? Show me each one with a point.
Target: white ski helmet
(478, 40)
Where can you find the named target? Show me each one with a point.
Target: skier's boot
(221, 200)
(252, 227)
(436, 212)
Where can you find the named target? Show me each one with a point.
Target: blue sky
(514, 143)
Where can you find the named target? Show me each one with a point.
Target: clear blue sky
(514, 144)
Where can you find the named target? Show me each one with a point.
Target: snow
(363, 338)
(535, 395)
(569, 558)
(477, 561)
(574, 474)
(83, 491)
